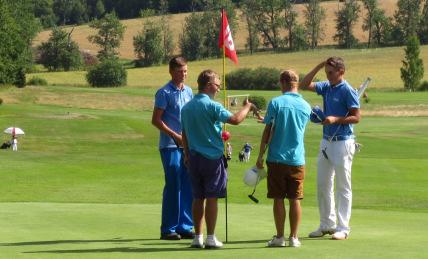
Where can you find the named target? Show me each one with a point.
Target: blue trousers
(177, 193)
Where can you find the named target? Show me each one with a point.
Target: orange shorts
(285, 181)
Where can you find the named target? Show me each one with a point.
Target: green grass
(52, 230)
(87, 179)
(382, 65)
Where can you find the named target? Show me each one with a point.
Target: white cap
(253, 176)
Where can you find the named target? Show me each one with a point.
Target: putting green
(72, 230)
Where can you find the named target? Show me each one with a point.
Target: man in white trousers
(337, 148)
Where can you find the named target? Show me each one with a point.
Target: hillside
(176, 21)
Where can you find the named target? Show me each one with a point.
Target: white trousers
(335, 210)
(247, 156)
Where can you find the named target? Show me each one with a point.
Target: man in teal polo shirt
(337, 148)
(202, 120)
(286, 119)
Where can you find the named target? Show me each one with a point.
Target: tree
(407, 19)
(109, 37)
(60, 52)
(412, 70)
(314, 15)
(154, 44)
(199, 38)
(423, 25)
(191, 42)
(268, 20)
(346, 19)
(253, 39)
(382, 27)
(290, 21)
(44, 12)
(17, 30)
(371, 7)
(299, 38)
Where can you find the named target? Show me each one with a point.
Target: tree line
(272, 24)
(70, 12)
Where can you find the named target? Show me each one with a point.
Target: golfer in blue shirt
(177, 193)
(337, 148)
(202, 119)
(286, 119)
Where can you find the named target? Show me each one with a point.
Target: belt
(338, 138)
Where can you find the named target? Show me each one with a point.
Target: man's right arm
(158, 123)
(306, 83)
(239, 116)
(263, 143)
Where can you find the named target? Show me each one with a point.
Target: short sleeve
(161, 100)
(269, 117)
(352, 100)
(221, 113)
(321, 87)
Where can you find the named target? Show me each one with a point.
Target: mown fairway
(87, 180)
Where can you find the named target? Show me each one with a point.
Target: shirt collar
(339, 84)
(293, 94)
(174, 87)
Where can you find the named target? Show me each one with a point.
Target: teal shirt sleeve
(270, 116)
(220, 113)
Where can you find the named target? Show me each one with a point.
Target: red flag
(226, 39)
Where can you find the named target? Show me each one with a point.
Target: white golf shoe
(213, 243)
(340, 235)
(276, 242)
(197, 242)
(320, 233)
(294, 242)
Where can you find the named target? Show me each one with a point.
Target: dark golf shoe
(187, 235)
(170, 236)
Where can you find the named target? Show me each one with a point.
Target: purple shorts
(208, 176)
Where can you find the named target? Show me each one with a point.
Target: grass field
(176, 22)
(87, 179)
(382, 65)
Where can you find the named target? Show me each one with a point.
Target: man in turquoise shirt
(202, 120)
(286, 119)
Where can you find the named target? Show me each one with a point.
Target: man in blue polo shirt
(177, 194)
(202, 120)
(337, 148)
(286, 119)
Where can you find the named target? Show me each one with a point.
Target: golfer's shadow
(55, 242)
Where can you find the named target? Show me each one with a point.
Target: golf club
(251, 196)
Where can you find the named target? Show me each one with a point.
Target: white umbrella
(14, 131)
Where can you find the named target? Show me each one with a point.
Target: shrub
(258, 101)
(37, 81)
(109, 73)
(88, 59)
(423, 86)
(261, 78)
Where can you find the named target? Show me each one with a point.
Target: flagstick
(225, 100)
